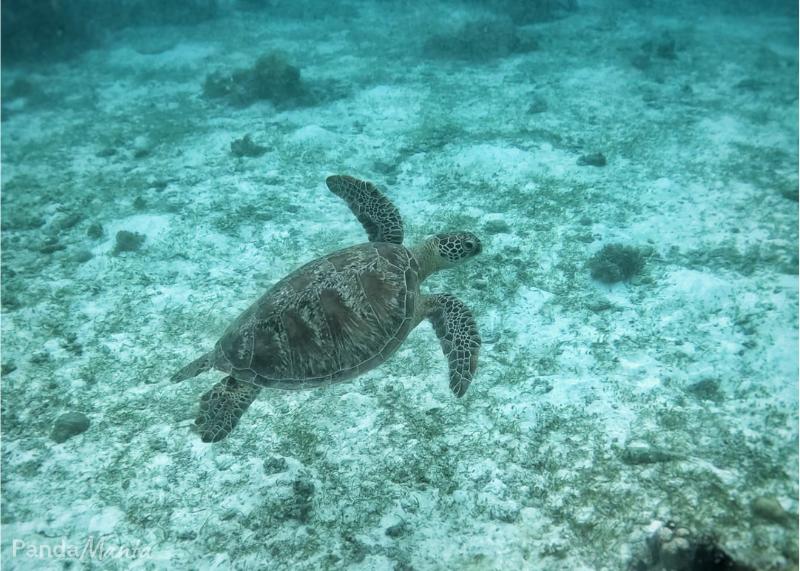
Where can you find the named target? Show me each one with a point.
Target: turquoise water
(631, 170)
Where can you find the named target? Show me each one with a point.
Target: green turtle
(340, 315)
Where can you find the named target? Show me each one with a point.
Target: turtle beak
(478, 248)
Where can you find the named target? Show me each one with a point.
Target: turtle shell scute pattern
(328, 321)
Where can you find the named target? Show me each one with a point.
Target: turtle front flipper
(377, 214)
(199, 365)
(458, 334)
(222, 407)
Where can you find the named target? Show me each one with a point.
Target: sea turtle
(340, 315)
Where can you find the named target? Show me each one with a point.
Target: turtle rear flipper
(458, 334)
(199, 365)
(377, 214)
(222, 407)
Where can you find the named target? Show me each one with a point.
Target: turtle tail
(194, 368)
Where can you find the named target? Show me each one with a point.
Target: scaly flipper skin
(377, 214)
(458, 333)
(200, 365)
(223, 406)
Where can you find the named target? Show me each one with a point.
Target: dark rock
(82, 256)
(68, 425)
(159, 185)
(769, 508)
(538, 105)
(303, 492)
(95, 231)
(750, 84)
(245, 147)
(128, 241)
(641, 61)
(69, 221)
(665, 47)
(790, 193)
(677, 549)
(532, 11)
(706, 389)
(497, 226)
(599, 304)
(396, 530)
(271, 78)
(640, 453)
(40, 358)
(106, 152)
(615, 263)
(481, 40)
(592, 160)
(275, 464)
(51, 245)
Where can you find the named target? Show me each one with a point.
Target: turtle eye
(469, 244)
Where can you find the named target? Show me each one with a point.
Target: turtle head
(445, 251)
(455, 247)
